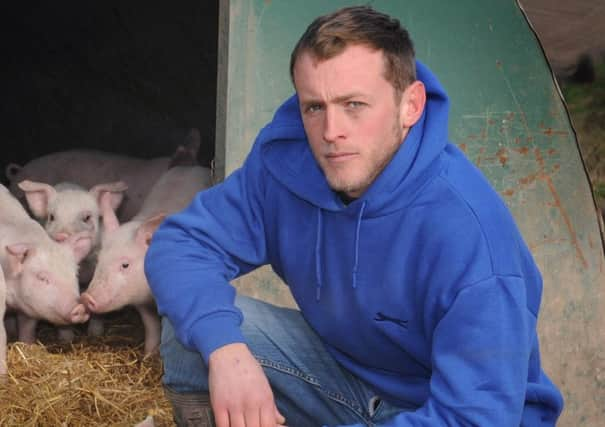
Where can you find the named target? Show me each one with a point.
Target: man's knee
(184, 369)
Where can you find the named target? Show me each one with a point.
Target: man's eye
(354, 104)
(313, 108)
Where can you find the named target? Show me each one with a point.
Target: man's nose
(334, 125)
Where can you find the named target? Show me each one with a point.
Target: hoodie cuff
(210, 333)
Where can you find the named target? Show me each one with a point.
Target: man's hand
(239, 390)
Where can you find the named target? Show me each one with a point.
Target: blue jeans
(310, 387)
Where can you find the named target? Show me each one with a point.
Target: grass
(586, 104)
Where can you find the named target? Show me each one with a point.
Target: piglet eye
(43, 278)
(87, 218)
(125, 265)
(51, 217)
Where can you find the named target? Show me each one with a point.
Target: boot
(190, 409)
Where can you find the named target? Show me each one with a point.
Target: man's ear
(413, 100)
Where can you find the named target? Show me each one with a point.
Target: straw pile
(102, 381)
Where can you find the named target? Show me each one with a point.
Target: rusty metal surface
(509, 118)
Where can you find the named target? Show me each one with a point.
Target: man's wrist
(210, 334)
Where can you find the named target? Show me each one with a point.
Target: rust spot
(557, 203)
(551, 132)
(539, 158)
(508, 192)
(552, 152)
(530, 139)
(517, 140)
(556, 167)
(502, 156)
(522, 150)
(491, 122)
(533, 247)
(462, 147)
(528, 179)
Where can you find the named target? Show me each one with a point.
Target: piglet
(40, 274)
(119, 279)
(68, 210)
(71, 216)
(3, 366)
(87, 167)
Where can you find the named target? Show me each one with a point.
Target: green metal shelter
(507, 115)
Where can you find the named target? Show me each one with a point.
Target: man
(418, 297)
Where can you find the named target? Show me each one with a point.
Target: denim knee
(184, 370)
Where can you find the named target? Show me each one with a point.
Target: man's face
(351, 116)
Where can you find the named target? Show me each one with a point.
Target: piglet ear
(38, 195)
(146, 229)
(17, 253)
(110, 220)
(115, 190)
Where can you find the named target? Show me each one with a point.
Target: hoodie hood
(288, 157)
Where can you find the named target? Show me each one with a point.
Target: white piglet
(3, 365)
(88, 167)
(40, 274)
(119, 279)
(71, 216)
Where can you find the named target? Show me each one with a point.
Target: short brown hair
(328, 35)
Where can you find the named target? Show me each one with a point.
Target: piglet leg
(152, 326)
(66, 334)
(27, 328)
(95, 326)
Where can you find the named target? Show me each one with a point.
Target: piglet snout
(79, 314)
(88, 301)
(60, 237)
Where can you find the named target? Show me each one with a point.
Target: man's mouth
(340, 157)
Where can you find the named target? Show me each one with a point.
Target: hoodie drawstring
(356, 263)
(318, 265)
(318, 257)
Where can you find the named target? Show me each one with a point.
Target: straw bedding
(93, 381)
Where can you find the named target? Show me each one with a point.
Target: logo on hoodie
(380, 317)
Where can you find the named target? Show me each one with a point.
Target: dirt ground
(568, 30)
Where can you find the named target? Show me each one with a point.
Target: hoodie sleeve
(480, 351)
(195, 253)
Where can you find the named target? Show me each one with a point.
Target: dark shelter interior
(124, 77)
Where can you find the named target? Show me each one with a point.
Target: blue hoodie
(423, 286)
